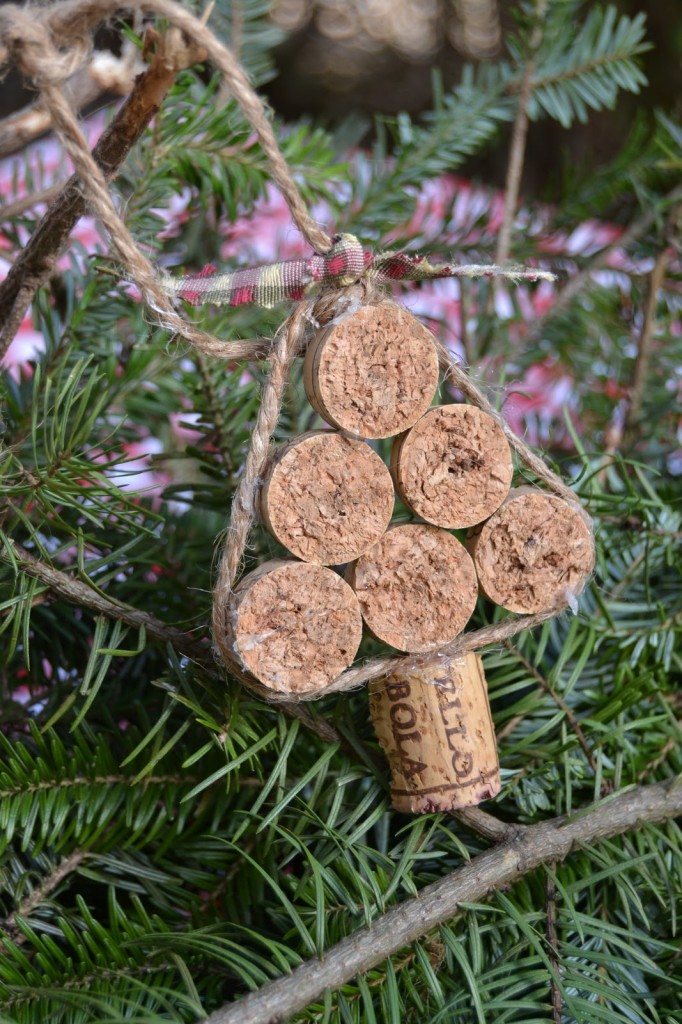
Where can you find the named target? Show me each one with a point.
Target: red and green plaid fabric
(345, 263)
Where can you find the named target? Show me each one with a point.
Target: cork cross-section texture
(416, 587)
(454, 467)
(327, 497)
(532, 552)
(295, 626)
(373, 372)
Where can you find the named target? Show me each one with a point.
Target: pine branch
(79, 593)
(438, 903)
(36, 261)
(558, 700)
(583, 278)
(39, 894)
(11, 210)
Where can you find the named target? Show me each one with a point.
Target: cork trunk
(435, 727)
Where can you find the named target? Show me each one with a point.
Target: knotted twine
(37, 39)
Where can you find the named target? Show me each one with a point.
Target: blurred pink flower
(137, 474)
(26, 345)
(535, 405)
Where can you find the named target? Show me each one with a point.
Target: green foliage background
(167, 841)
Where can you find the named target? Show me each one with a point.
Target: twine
(37, 39)
(288, 342)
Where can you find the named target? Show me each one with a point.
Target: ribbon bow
(345, 263)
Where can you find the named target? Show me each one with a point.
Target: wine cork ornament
(327, 497)
(416, 587)
(535, 553)
(372, 372)
(435, 727)
(295, 626)
(454, 467)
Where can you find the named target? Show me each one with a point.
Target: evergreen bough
(169, 843)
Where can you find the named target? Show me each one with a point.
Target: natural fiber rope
(35, 34)
(31, 40)
(288, 342)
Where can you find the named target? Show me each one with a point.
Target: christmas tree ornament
(291, 629)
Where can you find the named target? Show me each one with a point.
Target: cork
(327, 497)
(435, 727)
(295, 626)
(454, 467)
(416, 587)
(534, 554)
(374, 372)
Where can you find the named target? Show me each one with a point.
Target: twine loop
(30, 44)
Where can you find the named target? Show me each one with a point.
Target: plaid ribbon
(345, 263)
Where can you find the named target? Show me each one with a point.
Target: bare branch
(34, 264)
(644, 341)
(104, 74)
(438, 903)
(19, 206)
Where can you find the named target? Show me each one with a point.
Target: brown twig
(546, 843)
(78, 592)
(575, 284)
(36, 261)
(644, 342)
(552, 942)
(670, 744)
(487, 825)
(19, 206)
(517, 149)
(103, 74)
